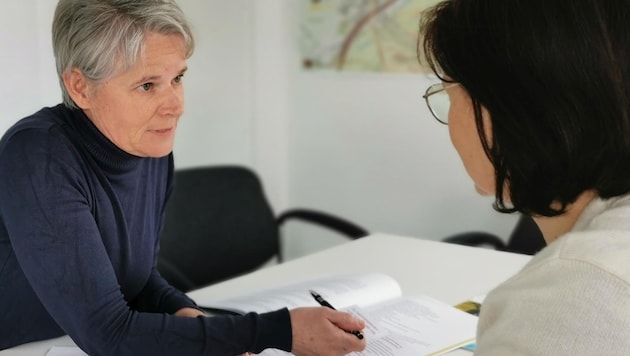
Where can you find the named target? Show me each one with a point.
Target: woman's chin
(483, 192)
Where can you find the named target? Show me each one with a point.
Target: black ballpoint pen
(324, 303)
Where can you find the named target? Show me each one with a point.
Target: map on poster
(360, 35)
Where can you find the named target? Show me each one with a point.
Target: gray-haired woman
(82, 190)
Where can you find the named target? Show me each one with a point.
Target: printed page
(411, 326)
(340, 291)
(414, 326)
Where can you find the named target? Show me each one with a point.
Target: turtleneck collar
(105, 152)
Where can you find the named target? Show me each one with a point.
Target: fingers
(190, 312)
(323, 331)
(347, 321)
(352, 340)
(352, 327)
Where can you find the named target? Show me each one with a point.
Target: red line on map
(355, 30)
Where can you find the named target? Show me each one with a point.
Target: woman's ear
(78, 87)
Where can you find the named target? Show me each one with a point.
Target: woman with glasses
(535, 96)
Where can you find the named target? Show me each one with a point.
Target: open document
(395, 325)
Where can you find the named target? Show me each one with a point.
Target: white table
(447, 272)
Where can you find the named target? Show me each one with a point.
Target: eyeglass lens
(440, 104)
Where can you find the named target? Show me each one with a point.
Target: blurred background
(322, 98)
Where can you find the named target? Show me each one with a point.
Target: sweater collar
(605, 214)
(104, 151)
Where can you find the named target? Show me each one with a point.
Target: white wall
(365, 146)
(26, 63)
(360, 145)
(217, 126)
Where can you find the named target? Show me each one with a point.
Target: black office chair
(218, 224)
(525, 238)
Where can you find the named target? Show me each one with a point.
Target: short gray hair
(106, 37)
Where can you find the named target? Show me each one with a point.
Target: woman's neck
(554, 227)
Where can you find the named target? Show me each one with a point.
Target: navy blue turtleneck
(79, 225)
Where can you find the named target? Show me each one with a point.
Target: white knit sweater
(573, 298)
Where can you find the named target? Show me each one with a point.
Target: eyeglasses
(438, 101)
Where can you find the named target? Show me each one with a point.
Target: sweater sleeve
(560, 307)
(57, 243)
(158, 296)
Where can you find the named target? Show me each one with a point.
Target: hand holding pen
(325, 303)
(316, 332)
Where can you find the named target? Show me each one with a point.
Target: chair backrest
(218, 224)
(526, 237)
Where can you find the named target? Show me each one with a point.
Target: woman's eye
(146, 86)
(178, 79)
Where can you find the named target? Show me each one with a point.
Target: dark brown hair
(554, 77)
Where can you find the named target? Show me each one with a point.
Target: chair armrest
(477, 239)
(332, 222)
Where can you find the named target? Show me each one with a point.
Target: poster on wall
(360, 35)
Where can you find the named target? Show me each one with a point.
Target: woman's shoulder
(582, 276)
(601, 239)
(603, 251)
(39, 124)
(586, 297)
(40, 139)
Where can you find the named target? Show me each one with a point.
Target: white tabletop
(447, 272)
